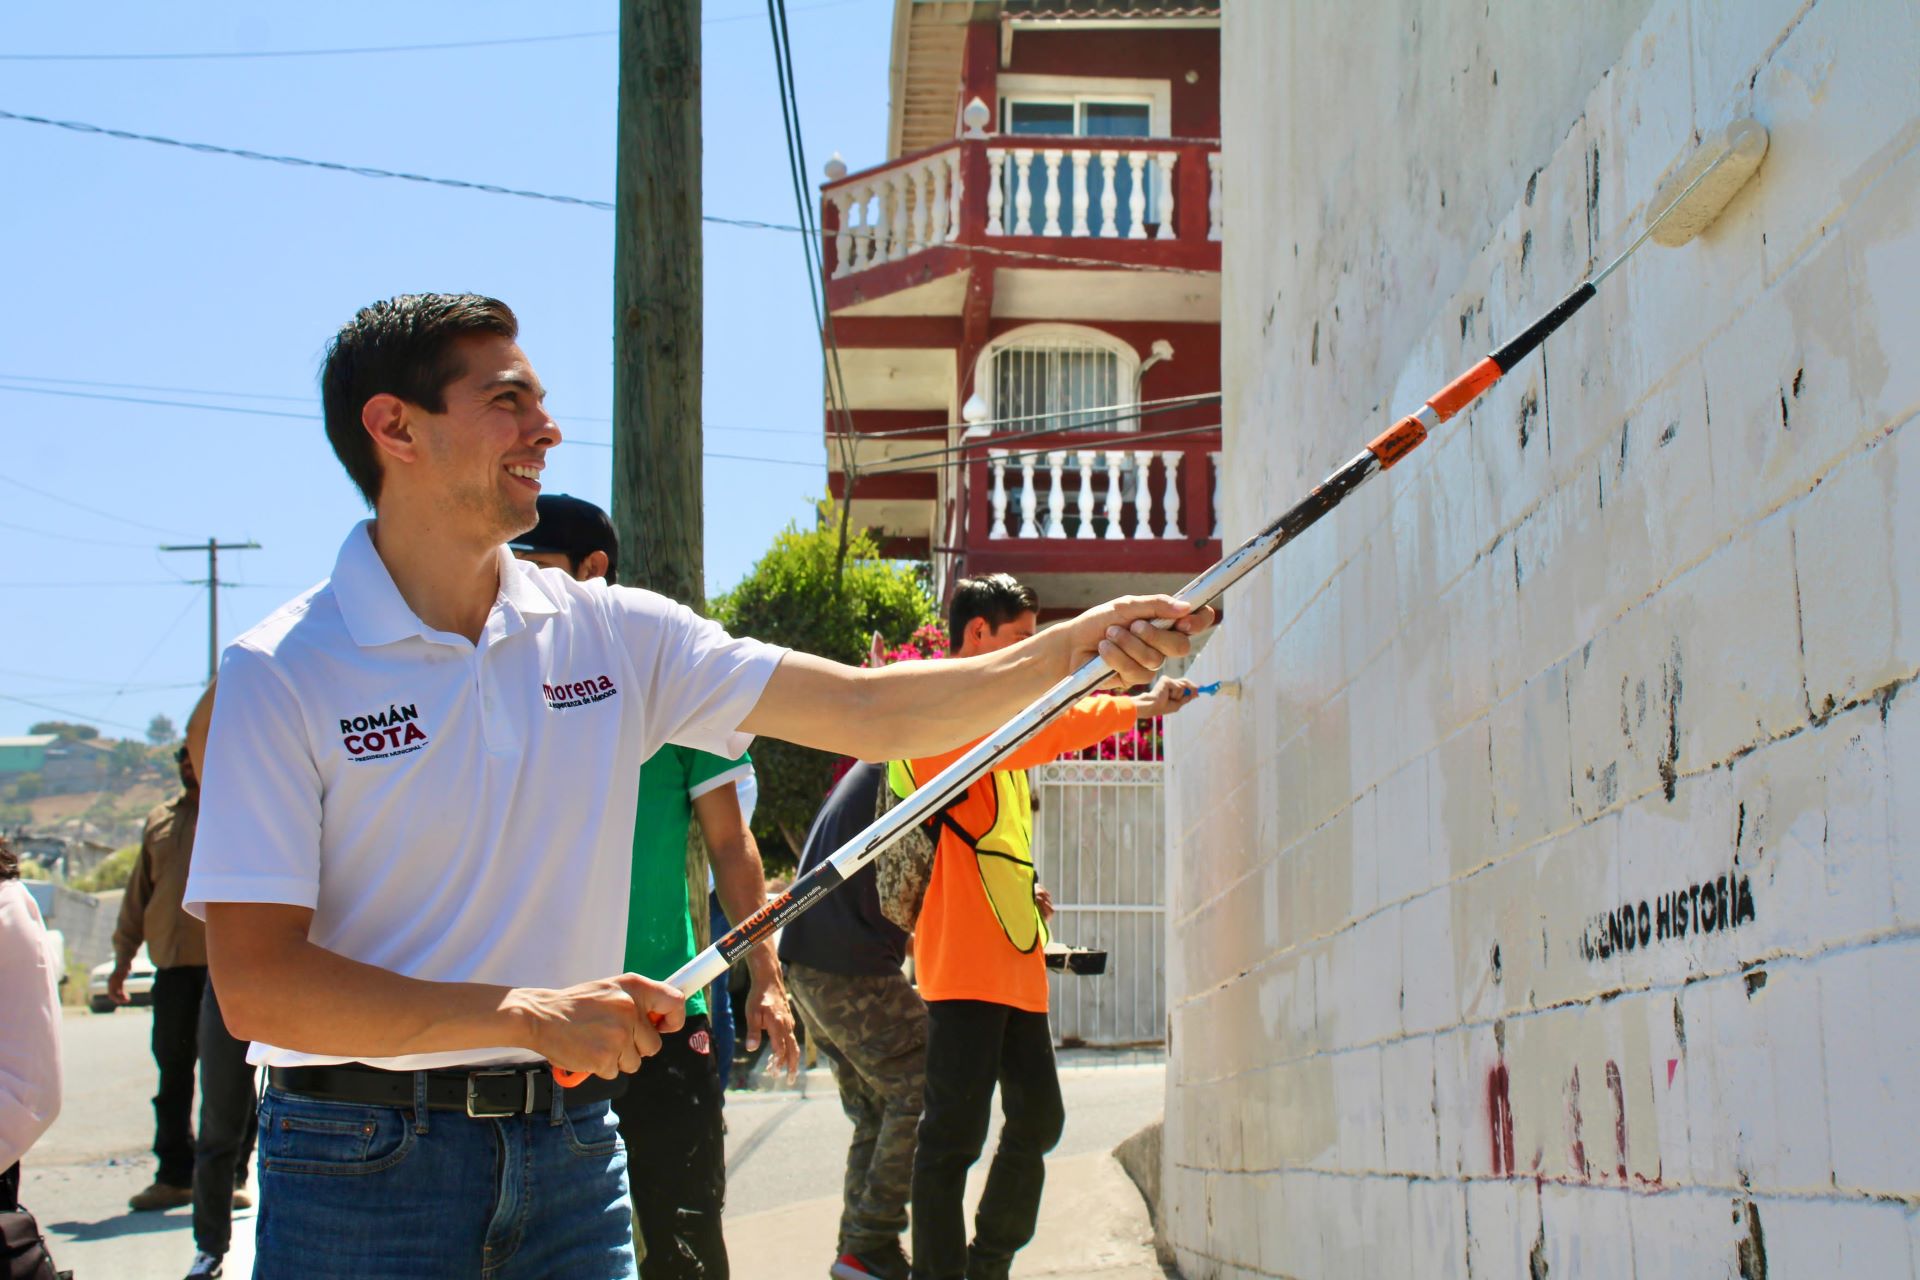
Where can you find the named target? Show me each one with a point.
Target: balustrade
(1072, 190)
(1105, 493)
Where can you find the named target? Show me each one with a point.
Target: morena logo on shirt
(580, 693)
(383, 734)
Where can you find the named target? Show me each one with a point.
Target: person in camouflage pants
(844, 971)
(874, 1031)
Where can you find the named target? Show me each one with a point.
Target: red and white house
(1018, 293)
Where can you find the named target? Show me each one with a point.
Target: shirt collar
(376, 613)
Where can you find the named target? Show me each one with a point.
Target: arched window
(1059, 376)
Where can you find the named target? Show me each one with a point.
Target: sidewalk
(1093, 1226)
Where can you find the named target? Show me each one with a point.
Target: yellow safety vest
(1003, 853)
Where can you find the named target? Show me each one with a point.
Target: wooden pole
(656, 299)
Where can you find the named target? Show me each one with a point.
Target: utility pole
(656, 300)
(213, 547)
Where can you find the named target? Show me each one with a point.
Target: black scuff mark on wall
(1526, 249)
(1593, 197)
(1529, 415)
(1756, 982)
(1546, 404)
(1537, 1256)
(1533, 185)
(1313, 356)
(1786, 423)
(1799, 617)
(1668, 436)
(1672, 687)
(1751, 1253)
(1799, 380)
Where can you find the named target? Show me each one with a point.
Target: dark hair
(998, 597)
(9, 861)
(404, 347)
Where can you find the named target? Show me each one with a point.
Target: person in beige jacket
(151, 912)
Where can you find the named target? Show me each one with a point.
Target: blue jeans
(359, 1192)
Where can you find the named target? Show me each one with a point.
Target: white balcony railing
(895, 212)
(1058, 188)
(1111, 496)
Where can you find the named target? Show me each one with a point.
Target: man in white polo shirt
(413, 862)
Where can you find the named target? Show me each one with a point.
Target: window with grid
(1058, 383)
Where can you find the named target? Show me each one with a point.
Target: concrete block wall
(1550, 904)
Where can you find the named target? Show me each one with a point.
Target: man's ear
(978, 631)
(385, 418)
(592, 565)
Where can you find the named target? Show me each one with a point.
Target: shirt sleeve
(30, 1011)
(1085, 723)
(259, 831)
(697, 682)
(130, 930)
(708, 772)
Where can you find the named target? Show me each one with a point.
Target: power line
(148, 386)
(84, 693)
(223, 55)
(74, 537)
(1054, 448)
(1004, 437)
(314, 417)
(81, 506)
(359, 170)
(77, 715)
(239, 54)
(170, 404)
(308, 399)
(1119, 412)
(59, 585)
(605, 206)
(811, 253)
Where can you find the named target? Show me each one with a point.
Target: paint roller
(1712, 176)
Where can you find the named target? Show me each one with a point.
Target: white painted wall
(1642, 621)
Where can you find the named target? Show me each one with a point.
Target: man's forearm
(288, 992)
(740, 882)
(907, 710)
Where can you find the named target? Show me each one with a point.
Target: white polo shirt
(454, 811)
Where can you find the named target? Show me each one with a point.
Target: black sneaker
(889, 1262)
(205, 1267)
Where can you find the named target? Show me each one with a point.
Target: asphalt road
(785, 1147)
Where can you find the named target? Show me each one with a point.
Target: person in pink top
(30, 1012)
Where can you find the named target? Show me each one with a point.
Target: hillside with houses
(69, 797)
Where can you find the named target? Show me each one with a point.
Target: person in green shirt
(670, 1114)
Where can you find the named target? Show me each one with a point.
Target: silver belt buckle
(473, 1097)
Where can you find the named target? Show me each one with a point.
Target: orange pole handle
(568, 1079)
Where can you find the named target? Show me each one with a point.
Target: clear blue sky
(128, 262)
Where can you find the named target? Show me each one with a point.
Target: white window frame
(1078, 90)
(1128, 360)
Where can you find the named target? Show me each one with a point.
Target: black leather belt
(485, 1093)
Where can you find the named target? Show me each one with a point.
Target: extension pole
(213, 547)
(656, 300)
(1391, 445)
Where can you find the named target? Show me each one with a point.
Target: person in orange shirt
(979, 955)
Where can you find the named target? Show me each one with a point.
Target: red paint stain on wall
(1619, 1115)
(1579, 1146)
(1500, 1111)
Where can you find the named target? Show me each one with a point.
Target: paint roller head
(1732, 154)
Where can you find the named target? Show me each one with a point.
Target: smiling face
(478, 463)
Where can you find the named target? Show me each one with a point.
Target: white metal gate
(1100, 848)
